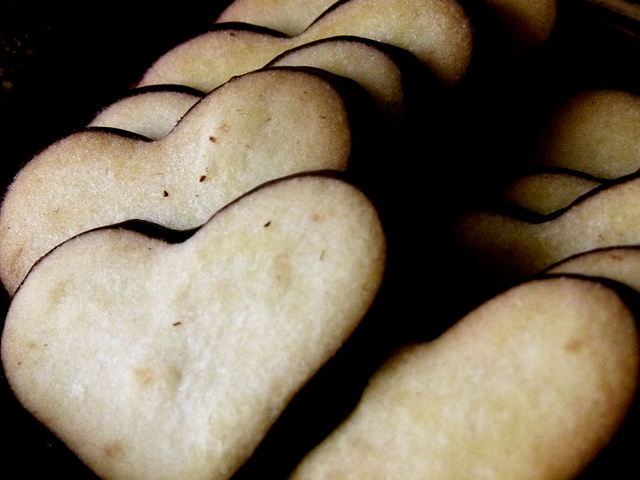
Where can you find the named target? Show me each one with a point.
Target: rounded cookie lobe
(287, 16)
(528, 22)
(546, 192)
(151, 113)
(595, 132)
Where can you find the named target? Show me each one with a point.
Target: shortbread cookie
(437, 32)
(257, 127)
(502, 248)
(155, 360)
(531, 385)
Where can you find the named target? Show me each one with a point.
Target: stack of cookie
(227, 273)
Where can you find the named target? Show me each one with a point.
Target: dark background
(61, 62)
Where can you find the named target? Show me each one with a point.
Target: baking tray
(60, 65)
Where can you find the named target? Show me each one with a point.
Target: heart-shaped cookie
(155, 360)
(255, 128)
(527, 22)
(532, 384)
(502, 248)
(437, 32)
(392, 78)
